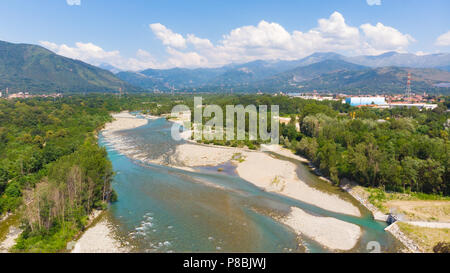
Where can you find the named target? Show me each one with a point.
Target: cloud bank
(270, 41)
(373, 2)
(264, 41)
(443, 40)
(73, 2)
(96, 55)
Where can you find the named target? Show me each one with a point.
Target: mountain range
(32, 68)
(323, 72)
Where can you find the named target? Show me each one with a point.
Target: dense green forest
(50, 159)
(395, 149)
(51, 162)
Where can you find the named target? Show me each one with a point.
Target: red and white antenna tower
(408, 87)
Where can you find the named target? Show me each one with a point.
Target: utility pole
(408, 88)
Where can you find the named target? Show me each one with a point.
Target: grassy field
(414, 206)
(426, 238)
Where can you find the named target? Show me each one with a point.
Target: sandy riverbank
(10, 239)
(264, 171)
(123, 121)
(99, 238)
(330, 232)
(280, 176)
(194, 155)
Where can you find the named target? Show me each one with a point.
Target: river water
(162, 209)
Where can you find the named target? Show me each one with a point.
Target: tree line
(399, 150)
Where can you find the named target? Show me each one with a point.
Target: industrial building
(358, 101)
(380, 102)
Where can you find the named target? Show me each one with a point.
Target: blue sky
(138, 34)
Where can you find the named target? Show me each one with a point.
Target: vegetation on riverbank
(384, 201)
(51, 162)
(426, 238)
(401, 150)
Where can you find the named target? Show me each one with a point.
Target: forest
(400, 149)
(53, 172)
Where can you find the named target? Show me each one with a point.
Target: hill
(380, 80)
(330, 72)
(314, 70)
(35, 69)
(402, 60)
(166, 79)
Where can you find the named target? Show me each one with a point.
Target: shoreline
(123, 121)
(405, 240)
(98, 237)
(10, 240)
(345, 185)
(279, 176)
(274, 175)
(270, 174)
(333, 233)
(349, 187)
(10, 232)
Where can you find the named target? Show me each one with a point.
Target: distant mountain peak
(325, 54)
(388, 54)
(110, 68)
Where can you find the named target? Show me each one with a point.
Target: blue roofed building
(358, 101)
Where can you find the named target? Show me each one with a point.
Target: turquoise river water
(162, 209)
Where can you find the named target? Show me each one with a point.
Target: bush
(442, 247)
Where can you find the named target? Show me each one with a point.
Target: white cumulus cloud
(167, 36)
(263, 41)
(270, 41)
(73, 2)
(93, 54)
(373, 2)
(443, 40)
(384, 38)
